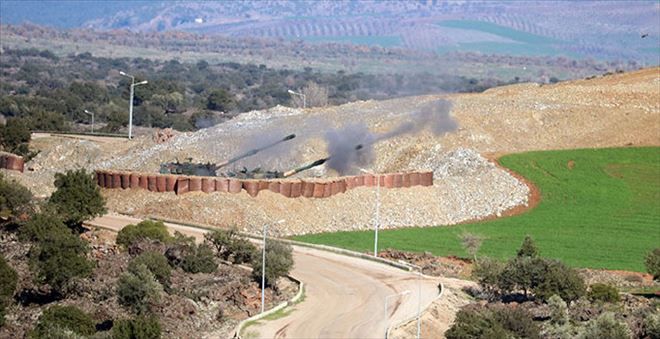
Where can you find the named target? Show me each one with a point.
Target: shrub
(156, 263)
(471, 243)
(556, 278)
(59, 255)
(652, 262)
(231, 246)
(14, 199)
(40, 226)
(8, 280)
(199, 259)
(487, 273)
(652, 325)
(528, 248)
(279, 262)
(603, 292)
(493, 321)
(138, 289)
(606, 326)
(64, 317)
(558, 310)
(77, 197)
(141, 327)
(154, 230)
(15, 135)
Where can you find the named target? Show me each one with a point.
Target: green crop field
(601, 211)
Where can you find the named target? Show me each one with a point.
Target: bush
(279, 262)
(63, 318)
(199, 259)
(40, 226)
(528, 248)
(14, 199)
(154, 230)
(8, 280)
(58, 255)
(138, 289)
(487, 273)
(606, 326)
(141, 327)
(77, 197)
(15, 136)
(231, 246)
(556, 278)
(652, 325)
(492, 321)
(604, 293)
(652, 262)
(558, 310)
(156, 263)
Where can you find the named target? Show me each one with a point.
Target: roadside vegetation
(598, 209)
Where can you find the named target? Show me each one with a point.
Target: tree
(231, 246)
(147, 229)
(15, 136)
(156, 263)
(220, 100)
(14, 200)
(138, 289)
(77, 197)
(279, 261)
(58, 319)
(528, 248)
(652, 262)
(59, 256)
(471, 243)
(141, 327)
(603, 292)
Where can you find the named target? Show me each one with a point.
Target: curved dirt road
(344, 296)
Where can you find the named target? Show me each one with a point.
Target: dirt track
(344, 296)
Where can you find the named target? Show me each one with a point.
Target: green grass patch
(602, 212)
(502, 31)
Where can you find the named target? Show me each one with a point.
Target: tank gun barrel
(304, 168)
(253, 151)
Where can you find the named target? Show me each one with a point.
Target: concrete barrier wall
(12, 162)
(290, 188)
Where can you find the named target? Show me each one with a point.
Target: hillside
(615, 110)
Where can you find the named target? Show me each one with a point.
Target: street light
(406, 292)
(302, 95)
(92, 114)
(377, 221)
(130, 106)
(263, 267)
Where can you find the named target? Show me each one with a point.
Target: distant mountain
(598, 29)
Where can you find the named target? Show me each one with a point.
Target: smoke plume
(352, 145)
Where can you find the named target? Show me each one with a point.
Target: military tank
(210, 169)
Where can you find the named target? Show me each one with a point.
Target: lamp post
(302, 95)
(377, 221)
(263, 268)
(130, 106)
(92, 114)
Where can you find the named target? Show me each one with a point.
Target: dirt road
(345, 297)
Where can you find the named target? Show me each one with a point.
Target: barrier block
(100, 179)
(134, 181)
(161, 183)
(152, 185)
(235, 186)
(182, 185)
(414, 179)
(143, 181)
(296, 189)
(263, 184)
(252, 187)
(195, 184)
(274, 186)
(285, 188)
(170, 183)
(222, 185)
(398, 180)
(369, 180)
(307, 189)
(116, 180)
(426, 178)
(319, 188)
(327, 189)
(208, 185)
(342, 186)
(405, 180)
(125, 180)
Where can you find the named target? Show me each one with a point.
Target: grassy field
(600, 208)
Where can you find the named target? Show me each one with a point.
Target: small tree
(57, 318)
(15, 136)
(652, 262)
(220, 100)
(279, 261)
(147, 229)
(493, 321)
(471, 244)
(603, 292)
(528, 248)
(141, 327)
(14, 200)
(558, 310)
(138, 289)
(156, 263)
(77, 197)
(231, 246)
(487, 273)
(199, 259)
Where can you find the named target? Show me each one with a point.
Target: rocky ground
(208, 305)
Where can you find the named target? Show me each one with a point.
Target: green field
(604, 212)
